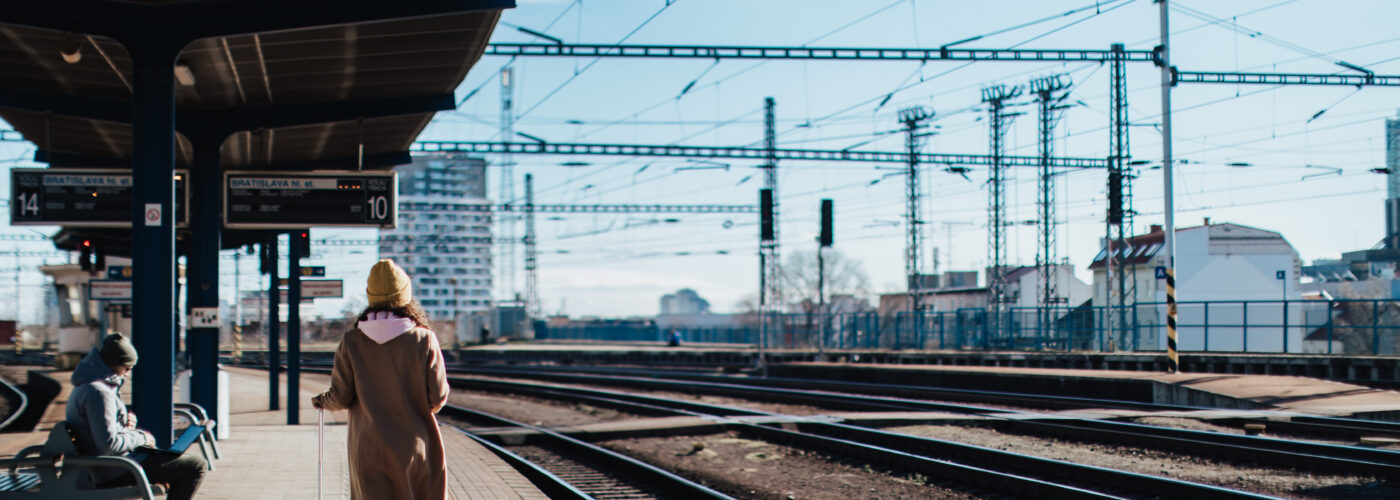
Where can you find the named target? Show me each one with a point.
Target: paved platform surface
(267, 459)
(1301, 394)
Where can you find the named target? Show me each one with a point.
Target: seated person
(102, 425)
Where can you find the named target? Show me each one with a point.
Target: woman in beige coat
(389, 373)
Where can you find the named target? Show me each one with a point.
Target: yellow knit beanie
(388, 285)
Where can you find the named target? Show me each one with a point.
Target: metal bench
(198, 416)
(56, 470)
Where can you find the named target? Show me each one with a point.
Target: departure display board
(294, 200)
(81, 198)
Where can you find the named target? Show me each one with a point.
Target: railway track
(1302, 455)
(983, 468)
(568, 468)
(1316, 426)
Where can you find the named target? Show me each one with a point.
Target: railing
(1352, 327)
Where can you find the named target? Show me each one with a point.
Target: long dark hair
(412, 311)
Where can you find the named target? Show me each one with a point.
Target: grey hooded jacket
(95, 413)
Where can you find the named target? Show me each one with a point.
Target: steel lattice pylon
(506, 223)
(532, 279)
(1050, 93)
(771, 297)
(915, 120)
(996, 97)
(1120, 203)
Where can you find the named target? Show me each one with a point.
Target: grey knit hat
(118, 351)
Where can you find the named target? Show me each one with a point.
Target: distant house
(684, 301)
(960, 293)
(1023, 286)
(1243, 272)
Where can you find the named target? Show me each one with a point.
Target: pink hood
(383, 326)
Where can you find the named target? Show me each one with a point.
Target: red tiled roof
(1142, 247)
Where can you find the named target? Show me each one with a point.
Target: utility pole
(532, 283)
(1120, 200)
(915, 120)
(1050, 95)
(237, 304)
(996, 97)
(771, 295)
(1170, 209)
(17, 293)
(506, 223)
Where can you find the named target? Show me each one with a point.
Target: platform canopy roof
(283, 84)
(297, 81)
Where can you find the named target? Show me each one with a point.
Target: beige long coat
(393, 391)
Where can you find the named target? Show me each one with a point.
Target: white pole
(1170, 208)
(320, 449)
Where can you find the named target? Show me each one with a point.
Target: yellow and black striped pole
(1172, 362)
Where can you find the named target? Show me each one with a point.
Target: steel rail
(652, 476)
(1299, 455)
(548, 483)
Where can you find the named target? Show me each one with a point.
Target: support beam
(294, 254)
(153, 245)
(202, 270)
(714, 52)
(1283, 79)
(274, 321)
(738, 152)
(580, 209)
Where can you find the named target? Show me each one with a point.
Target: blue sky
(619, 265)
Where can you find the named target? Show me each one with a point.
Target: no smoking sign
(153, 212)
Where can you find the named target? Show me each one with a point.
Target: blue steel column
(153, 245)
(294, 242)
(202, 344)
(274, 323)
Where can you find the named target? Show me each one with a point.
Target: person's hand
(150, 439)
(130, 420)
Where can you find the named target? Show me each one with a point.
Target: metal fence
(1353, 327)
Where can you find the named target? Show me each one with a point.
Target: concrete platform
(1235, 391)
(1376, 371)
(261, 447)
(266, 458)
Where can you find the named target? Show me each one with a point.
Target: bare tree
(844, 277)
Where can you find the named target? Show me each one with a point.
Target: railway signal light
(765, 218)
(305, 243)
(85, 256)
(827, 234)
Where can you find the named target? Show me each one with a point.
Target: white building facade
(1244, 273)
(443, 238)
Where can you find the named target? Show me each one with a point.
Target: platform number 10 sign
(378, 209)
